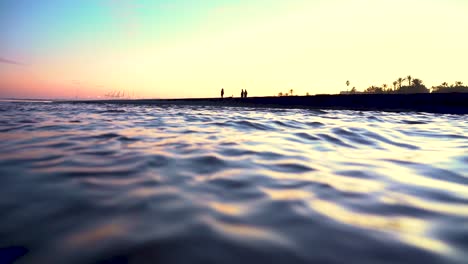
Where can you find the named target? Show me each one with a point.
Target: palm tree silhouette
(347, 83)
(291, 92)
(385, 87)
(400, 81)
(445, 84)
(458, 83)
(394, 85)
(409, 80)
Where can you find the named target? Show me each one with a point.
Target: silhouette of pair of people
(244, 93)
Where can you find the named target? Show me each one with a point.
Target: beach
(449, 103)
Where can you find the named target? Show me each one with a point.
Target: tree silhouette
(374, 89)
(416, 86)
(454, 88)
(291, 92)
(347, 83)
(353, 90)
(400, 81)
(417, 82)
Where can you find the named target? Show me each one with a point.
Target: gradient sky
(192, 48)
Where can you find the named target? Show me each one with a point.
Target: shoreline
(450, 103)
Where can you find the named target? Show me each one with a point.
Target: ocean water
(103, 183)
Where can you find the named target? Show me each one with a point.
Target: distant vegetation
(407, 85)
(414, 85)
(288, 94)
(458, 87)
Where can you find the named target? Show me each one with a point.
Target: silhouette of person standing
(245, 93)
(222, 92)
(242, 93)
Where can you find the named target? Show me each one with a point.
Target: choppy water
(147, 184)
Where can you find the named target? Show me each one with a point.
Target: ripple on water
(352, 136)
(289, 167)
(208, 164)
(315, 124)
(412, 122)
(389, 141)
(83, 183)
(306, 136)
(249, 125)
(334, 140)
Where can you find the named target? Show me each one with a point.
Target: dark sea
(105, 183)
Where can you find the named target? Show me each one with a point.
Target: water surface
(103, 183)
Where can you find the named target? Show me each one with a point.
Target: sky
(193, 48)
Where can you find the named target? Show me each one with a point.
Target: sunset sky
(193, 48)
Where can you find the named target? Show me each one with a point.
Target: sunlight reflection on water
(138, 184)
